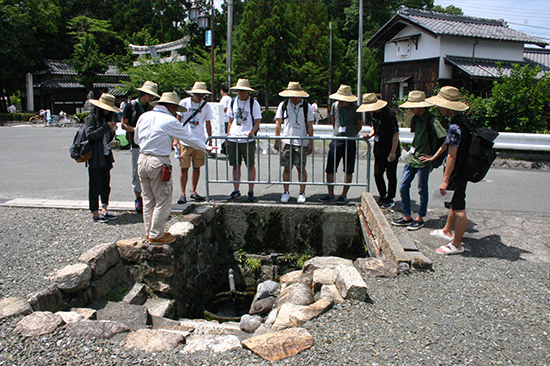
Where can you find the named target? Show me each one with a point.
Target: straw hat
(416, 99)
(149, 88)
(171, 98)
(242, 84)
(107, 102)
(371, 103)
(449, 97)
(344, 94)
(294, 90)
(198, 88)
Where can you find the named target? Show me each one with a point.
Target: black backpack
(285, 106)
(81, 149)
(480, 154)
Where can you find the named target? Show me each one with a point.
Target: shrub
(268, 116)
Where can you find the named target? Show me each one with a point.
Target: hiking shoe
(402, 222)
(234, 194)
(197, 197)
(380, 201)
(388, 203)
(251, 197)
(109, 215)
(182, 200)
(415, 225)
(341, 200)
(139, 205)
(100, 218)
(167, 238)
(285, 197)
(326, 198)
(301, 198)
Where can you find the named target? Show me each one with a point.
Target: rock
(349, 282)
(203, 327)
(296, 277)
(207, 212)
(182, 229)
(161, 307)
(376, 267)
(272, 316)
(263, 329)
(298, 294)
(164, 323)
(325, 262)
(115, 276)
(322, 276)
(299, 317)
(49, 299)
(70, 316)
(137, 295)
(130, 249)
(38, 323)
(102, 329)
(283, 316)
(329, 292)
(132, 316)
(100, 258)
(279, 345)
(73, 278)
(249, 323)
(262, 306)
(13, 306)
(89, 314)
(266, 289)
(211, 343)
(153, 340)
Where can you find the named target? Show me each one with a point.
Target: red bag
(166, 173)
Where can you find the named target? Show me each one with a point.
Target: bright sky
(528, 16)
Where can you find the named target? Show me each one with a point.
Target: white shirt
(242, 120)
(226, 101)
(12, 109)
(196, 125)
(156, 129)
(293, 121)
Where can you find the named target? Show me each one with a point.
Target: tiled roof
(59, 84)
(58, 67)
(537, 57)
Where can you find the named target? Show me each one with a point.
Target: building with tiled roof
(424, 48)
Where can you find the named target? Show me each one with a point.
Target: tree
(449, 9)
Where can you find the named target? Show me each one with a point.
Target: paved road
(34, 163)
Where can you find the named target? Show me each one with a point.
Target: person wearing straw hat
(346, 122)
(196, 120)
(457, 142)
(294, 117)
(100, 130)
(244, 121)
(154, 133)
(428, 133)
(130, 115)
(386, 144)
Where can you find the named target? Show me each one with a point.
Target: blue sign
(208, 38)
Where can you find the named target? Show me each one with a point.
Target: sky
(528, 16)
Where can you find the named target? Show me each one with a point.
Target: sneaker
(109, 215)
(415, 225)
(182, 200)
(380, 201)
(388, 203)
(302, 198)
(197, 197)
(167, 238)
(402, 222)
(100, 218)
(326, 198)
(139, 205)
(341, 200)
(285, 197)
(251, 197)
(234, 194)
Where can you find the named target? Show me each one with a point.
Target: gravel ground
(468, 310)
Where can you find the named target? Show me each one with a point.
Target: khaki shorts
(188, 155)
(298, 160)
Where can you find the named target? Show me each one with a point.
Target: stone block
(14, 306)
(376, 267)
(137, 295)
(158, 253)
(100, 258)
(212, 328)
(49, 299)
(329, 292)
(325, 262)
(297, 277)
(161, 307)
(195, 219)
(349, 282)
(132, 316)
(38, 323)
(322, 276)
(299, 317)
(87, 313)
(159, 322)
(184, 230)
(130, 249)
(298, 294)
(262, 306)
(115, 276)
(149, 340)
(211, 343)
(207, 212)
(73, 278)
(283, 316)
(101, 329)
(249, 323)
(276, 346)
(70, 316)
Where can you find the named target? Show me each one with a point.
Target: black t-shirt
(132, 111)
(385, 126)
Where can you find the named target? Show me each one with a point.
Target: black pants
(99, 186)
(381, 166)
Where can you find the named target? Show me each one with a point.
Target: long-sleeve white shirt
(155, 131)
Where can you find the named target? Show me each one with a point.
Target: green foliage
(253, 264)
(268, 116)
(88, 60)
(449, 9)
(82, 116)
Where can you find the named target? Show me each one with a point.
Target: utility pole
(360, 55)
(329, 68)
(212, 50)
(229, 40)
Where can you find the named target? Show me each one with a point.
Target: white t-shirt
(242, 120)
(225, 101)
(293, 121)
(195, 126)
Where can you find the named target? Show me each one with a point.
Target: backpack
(480, 154)
(304, 107)
(81, 149)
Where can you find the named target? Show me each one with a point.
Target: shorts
(188, 155)
(241, 151)
(458, 202)
(299, 154)
(341, 150)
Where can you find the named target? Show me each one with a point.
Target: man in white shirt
(244, 121)
(225, 102)
(12, 109)
(154, 133)
(195, 121)
(294, 118)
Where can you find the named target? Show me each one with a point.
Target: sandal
(449, 249)
(439, 234)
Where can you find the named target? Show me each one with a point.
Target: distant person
(315, 110)
(100, 130)
(346, 122)
(12, 109)
(154, 133)
(428, 133)
(130, 115)
(225, 101)
(196, 120)
(458, 141)
(244, 121)
(294, 117)
(386, 145)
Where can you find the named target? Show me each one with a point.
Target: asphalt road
(35, 163)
